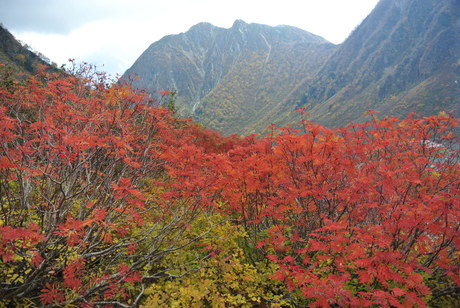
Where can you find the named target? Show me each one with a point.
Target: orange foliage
(357, 216)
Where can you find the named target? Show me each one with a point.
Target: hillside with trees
(17, 56)
(107, 200)
(110, 197)
(403, 58)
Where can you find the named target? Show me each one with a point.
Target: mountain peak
(239, 23)
(260, 64)
(202, 26)
(401, 58)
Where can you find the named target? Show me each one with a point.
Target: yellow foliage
(223, 279)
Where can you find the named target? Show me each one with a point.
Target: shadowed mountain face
(404, 57)
(230, 78)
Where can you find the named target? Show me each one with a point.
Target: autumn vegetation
(108, 200)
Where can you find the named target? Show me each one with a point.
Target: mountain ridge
(402, 58)
(401, 46)
(196, 62)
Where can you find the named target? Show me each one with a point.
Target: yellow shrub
(223, 277)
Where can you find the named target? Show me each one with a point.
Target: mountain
(228, 79)
(16, 56)
(404, 57)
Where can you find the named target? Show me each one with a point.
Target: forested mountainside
(16, 56)
(229, 78)
(403, 58)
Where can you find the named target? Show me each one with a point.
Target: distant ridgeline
(404, 57)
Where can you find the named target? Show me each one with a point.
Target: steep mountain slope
(229, 78)
(403, 58)
(13, 54)
(259, 81)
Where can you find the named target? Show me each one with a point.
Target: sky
(112, 34)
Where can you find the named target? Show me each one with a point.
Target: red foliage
(355, 216)
(74, 156)
(358, 216)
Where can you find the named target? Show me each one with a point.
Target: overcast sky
(113, 33)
